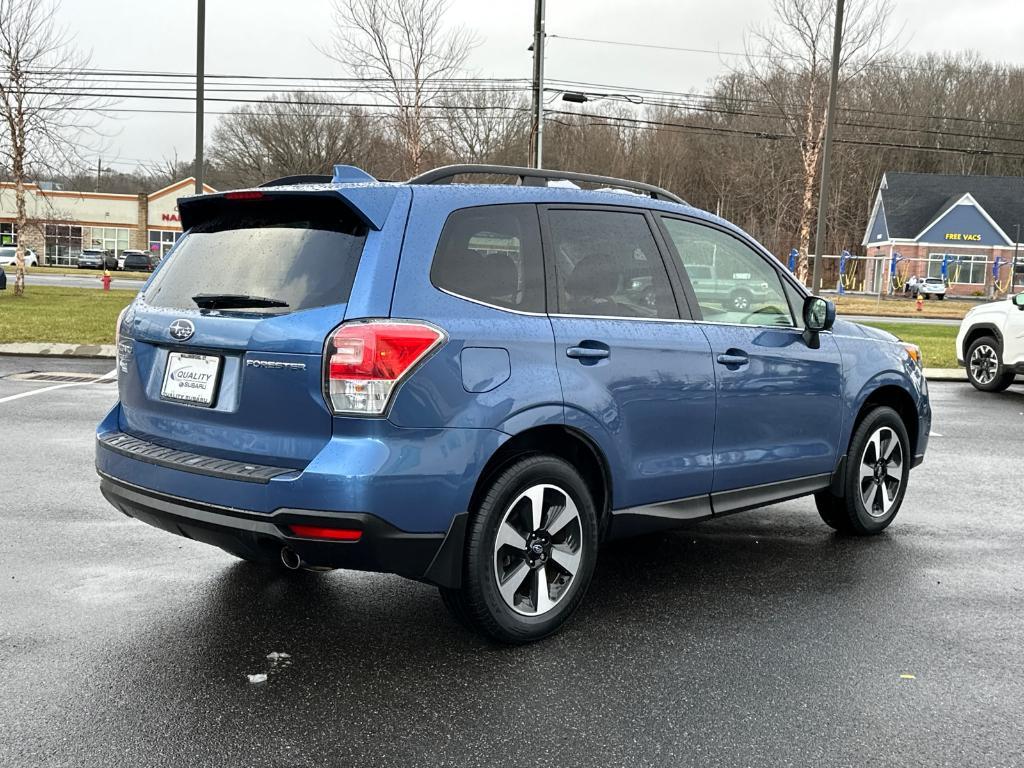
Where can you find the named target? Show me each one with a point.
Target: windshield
(300, 251)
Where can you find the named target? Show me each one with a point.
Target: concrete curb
(58, 350)
(945, 374)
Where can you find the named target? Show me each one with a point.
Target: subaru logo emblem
(182, 330)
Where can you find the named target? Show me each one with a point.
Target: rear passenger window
(608, 265)
(492, 254)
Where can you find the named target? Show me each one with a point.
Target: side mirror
(819, 315)
(1018, 301)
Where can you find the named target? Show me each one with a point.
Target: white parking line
(101, 380)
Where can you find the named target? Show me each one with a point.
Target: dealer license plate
(191, 378)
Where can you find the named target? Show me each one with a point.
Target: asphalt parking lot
(760, 639)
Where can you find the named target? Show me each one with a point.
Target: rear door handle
(733, 359)
(587, 353)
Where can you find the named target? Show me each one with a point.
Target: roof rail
(539, 177)
(307, 178)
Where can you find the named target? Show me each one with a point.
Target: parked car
(139, 261)
(990, 343)
(8, 257)
(94, 258)
(125, 254)
(932, 288)
(472, 385)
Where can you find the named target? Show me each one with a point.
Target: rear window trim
(481, 302)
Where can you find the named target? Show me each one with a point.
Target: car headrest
(594, 277)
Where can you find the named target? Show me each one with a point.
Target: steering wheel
(769, 310)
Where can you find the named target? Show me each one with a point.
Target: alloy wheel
(538, 550)
(881, 472)
(984, 364)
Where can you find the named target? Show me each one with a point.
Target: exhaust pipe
(290, 559)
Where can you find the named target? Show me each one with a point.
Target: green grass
(75, 272)
(937, 342)
(71, 315)
(901, 306)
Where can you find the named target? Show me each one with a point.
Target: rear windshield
(299, 250)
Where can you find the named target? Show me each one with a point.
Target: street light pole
(538, 84)
(826, 160)
(200, 78)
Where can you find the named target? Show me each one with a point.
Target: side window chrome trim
(485, 304)
(686, 321)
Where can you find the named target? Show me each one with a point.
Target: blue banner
(793, 253)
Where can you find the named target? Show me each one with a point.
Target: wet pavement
(758, 639)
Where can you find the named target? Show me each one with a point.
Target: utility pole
(826, 160)
(200, 78)
(538, 84)
(99, 172)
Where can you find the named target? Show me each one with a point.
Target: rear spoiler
(371, 203)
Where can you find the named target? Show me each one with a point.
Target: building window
(963, 269)
(162, 240)
(8, 234)
(113, 239)
(63, 244)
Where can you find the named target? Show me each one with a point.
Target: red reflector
(379, 350)
(334, 534)
(253, 195)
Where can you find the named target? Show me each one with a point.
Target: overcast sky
(271, 37)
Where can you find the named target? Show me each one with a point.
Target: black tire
(942, 296)
(984, 366)
(849, 513)
(479, 604)
(740, 300)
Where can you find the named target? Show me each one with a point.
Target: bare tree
(44, 105)
(409, 58)
(790, 61)
(295, 134)
(486, 126)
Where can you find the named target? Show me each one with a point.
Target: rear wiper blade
(234, 301)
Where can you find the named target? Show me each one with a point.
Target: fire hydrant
(106, 280)
(920, 302)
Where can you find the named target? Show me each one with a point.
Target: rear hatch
(221, 354)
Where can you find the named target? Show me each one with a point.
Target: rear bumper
(432, 557)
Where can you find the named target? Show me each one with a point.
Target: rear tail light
(331, 534)
(248, 194)
(365, 361)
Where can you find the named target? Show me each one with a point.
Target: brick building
(940, 225)
(62, 223)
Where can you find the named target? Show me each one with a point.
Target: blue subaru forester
(474, 385)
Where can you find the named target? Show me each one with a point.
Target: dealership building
(966, 229)
(62, 223)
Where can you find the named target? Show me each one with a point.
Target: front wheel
(985, 370)
(531, 548)
(740, 300)
(877, 469)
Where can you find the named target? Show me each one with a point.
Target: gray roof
(913, 201)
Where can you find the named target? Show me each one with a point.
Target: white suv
(991, 341)
(932, 288)
(8, 257)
